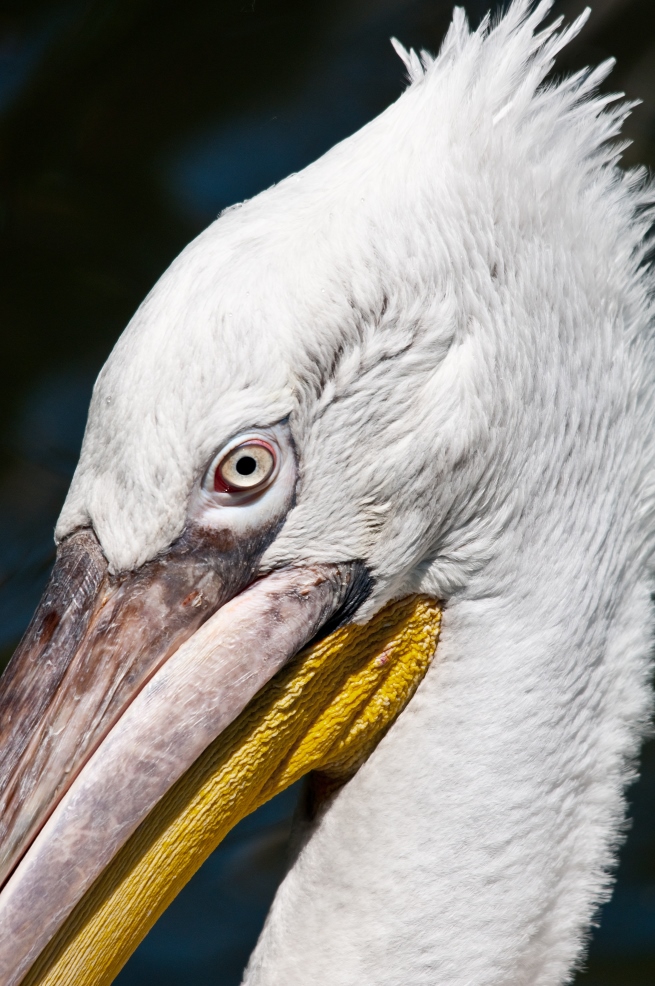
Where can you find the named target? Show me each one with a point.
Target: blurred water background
(125, 127)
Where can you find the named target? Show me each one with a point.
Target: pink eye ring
(246, 468)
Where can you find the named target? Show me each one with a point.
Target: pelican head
(422, 368)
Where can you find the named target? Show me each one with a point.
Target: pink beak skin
(119, 684)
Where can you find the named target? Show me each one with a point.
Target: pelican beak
(120, 686)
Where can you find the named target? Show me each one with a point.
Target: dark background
(125, 127)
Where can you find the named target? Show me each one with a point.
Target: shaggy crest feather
(453, 310)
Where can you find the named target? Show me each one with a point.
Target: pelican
(411, 385)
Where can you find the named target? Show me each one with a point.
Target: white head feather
(452, 308)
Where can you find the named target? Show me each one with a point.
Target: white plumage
(453, 310)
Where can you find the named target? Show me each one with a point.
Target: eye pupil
(246, 465)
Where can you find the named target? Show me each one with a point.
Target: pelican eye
(247, 467)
